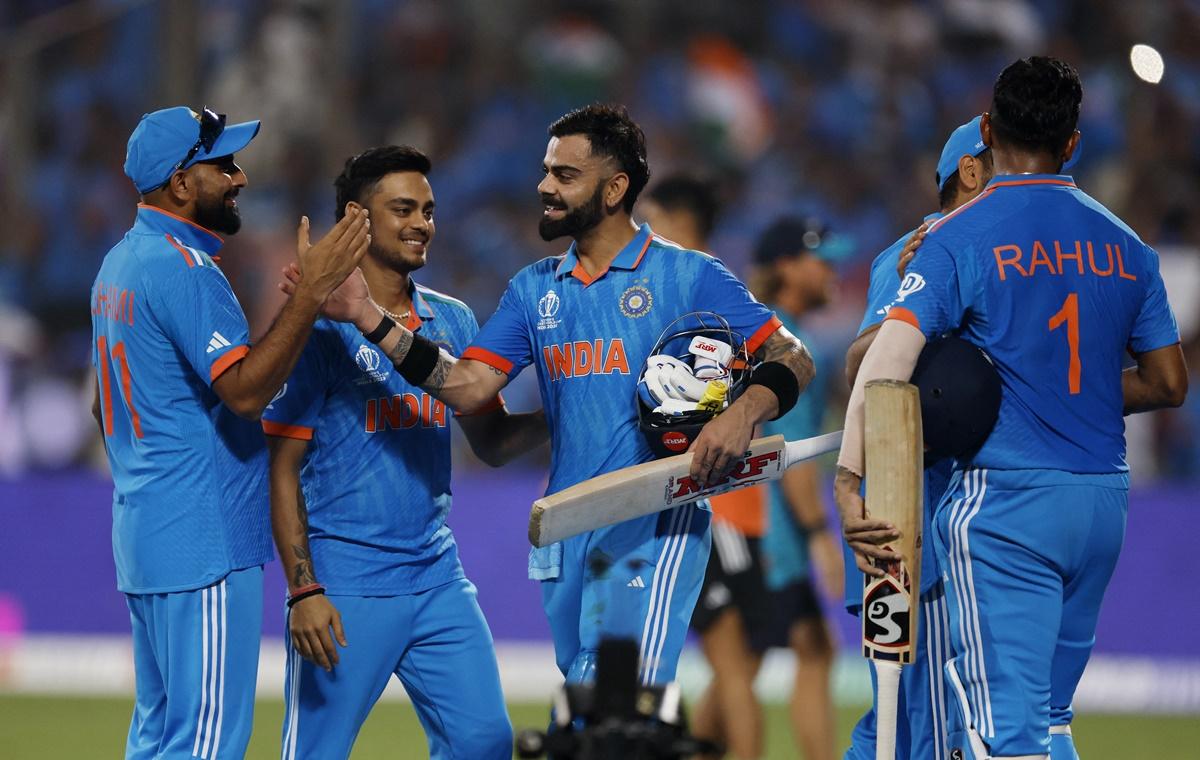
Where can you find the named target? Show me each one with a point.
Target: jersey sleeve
(929, 295)
(202, 316)
(881, 289)
(719, 291)
(294, 411)
(504, 342)
(1155, 325)
(467, 327)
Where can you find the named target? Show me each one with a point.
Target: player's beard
(577, 220)
(214, 214)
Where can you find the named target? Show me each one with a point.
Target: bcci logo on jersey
(367, 360)
(636, 302)
(548, 306)
(912, 283)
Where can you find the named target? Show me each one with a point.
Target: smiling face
(573, 189)
(402, 226)
(217, 183)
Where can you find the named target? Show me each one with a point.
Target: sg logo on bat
(886, 615)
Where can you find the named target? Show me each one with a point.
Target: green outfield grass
(48, 728)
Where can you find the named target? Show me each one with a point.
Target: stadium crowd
(815, 107)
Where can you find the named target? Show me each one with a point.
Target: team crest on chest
(368, 361)
(548, 306)
(636, 302)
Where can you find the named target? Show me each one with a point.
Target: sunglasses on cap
(211, 126)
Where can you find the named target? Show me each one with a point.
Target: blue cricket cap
(164, 138)
(793, 235)
(967, 140)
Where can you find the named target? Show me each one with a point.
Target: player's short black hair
(690, 193)
(612, 133)
(949, 190)
(1035, 104)
(361, 173)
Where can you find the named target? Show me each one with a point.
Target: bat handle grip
(887, 694)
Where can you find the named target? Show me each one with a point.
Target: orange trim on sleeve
(299, 432)
(494, 405)
(761, 334)
(487, 357)
(227, 360)
(904, 315)
(186, 256)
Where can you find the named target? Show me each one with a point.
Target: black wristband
(304, 595)
(420, 360)
(781, 381)
(380, 332)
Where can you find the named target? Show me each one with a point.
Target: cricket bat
(895, 478)
(654, 486)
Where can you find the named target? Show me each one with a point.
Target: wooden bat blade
(654, 486)
(895, 479)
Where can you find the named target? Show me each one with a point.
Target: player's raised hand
(910, 248)
(326, 264)
(310, 622)
(863, 534)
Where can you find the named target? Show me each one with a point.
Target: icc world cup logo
(548, 304)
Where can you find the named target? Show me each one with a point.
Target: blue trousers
(1026, 557)
(921, 718)
(439, 646)
(195, 656)
(638, 579)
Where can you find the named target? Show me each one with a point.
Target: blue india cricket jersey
(881, 291)
(1055, 289)
(189, 476)
(589, 338)
(376, 476)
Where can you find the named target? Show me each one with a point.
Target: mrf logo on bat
(750, 469)
(886, 613)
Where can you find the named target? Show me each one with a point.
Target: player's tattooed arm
(464, 385)
(783, 347)
(289, 512)
(498, 437)
(302, 573)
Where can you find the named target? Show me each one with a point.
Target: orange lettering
(616, 361)
(438, 417)
(118, 353)
(583, 358)
(563, 358)
(1040, 258)
(1078, 256)
(1015, 260)
(105, 383)
(391, 412)
(1092, 261)
(549, 363)
(410, 411)
(370, 421)
(1121, 263)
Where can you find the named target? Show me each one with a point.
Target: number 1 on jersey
(118, 353)
(1069, 313)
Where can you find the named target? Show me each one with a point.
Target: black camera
(615, 718)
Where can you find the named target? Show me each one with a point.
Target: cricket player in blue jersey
(179, 393)
(361, 529)
(964, 167)
(587, 320)
(1056, 290)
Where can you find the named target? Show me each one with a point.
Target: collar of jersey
(421, 310)
(629, 257)
(156, 220)
(1017, 180)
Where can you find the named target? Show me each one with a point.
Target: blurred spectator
(827, 106)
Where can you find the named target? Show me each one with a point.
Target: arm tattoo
(785, 348)
(437, 378)
(400, 350)
(303, 574)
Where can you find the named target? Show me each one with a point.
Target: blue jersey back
(376, 476)
(1056, 289)
(190, 477)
